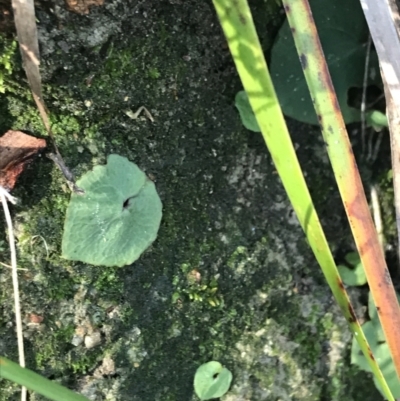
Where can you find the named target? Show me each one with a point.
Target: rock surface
(230, 276)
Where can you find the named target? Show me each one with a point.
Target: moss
(8, 50)
(248, 291)
(153, 73)
(386, 199)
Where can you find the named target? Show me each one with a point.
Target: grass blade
(237, 23)
(345, 169)
(25, 377)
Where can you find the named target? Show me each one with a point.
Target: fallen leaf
(36, 319)
(82, 6)
(116, 218)
(16, 150)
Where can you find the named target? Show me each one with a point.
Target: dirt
(230, 276)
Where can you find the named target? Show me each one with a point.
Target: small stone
(76, 340)
(92, 340)
(81, 331)
(107, 368)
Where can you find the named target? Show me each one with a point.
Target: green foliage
(153, 73)
(376, 119)
(376, 339)
(117, 217)
(246, 112)
(196, 287)
(355, 274)
(7, 51)
(343, 33)
(212, 380)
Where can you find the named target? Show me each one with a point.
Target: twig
(59, 162)
(44, 241)
(10, 267)
(4, 195)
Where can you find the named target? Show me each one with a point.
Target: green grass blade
(237, 23)
(345, 170)
(31, 380)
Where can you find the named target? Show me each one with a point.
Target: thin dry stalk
(4, 195)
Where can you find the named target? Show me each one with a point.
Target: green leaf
(357, 357)
(246, 112)
(212, 380)
(382, 355)
(353, 258)
(377, 119)
(356, 274)
(376, 339)
(385, 361)
(116, 218)
(343, 33)
(373, 314)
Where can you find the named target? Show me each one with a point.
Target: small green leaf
(116, 218)
(376, 119)
(353, 258)
(356, 274)
(212, 380)
(246, 112)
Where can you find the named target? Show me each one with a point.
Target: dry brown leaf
(82, 6)
(16, 150)
(35, 319)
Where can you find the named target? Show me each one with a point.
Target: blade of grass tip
(236, 21)
(4, 196)
(345, 169)
(25, 377)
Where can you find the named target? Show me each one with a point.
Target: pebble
(92, 340)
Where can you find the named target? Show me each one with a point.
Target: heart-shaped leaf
(343, 33)
(212, 380)
(116, 218)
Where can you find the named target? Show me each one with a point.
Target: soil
(230, 276)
